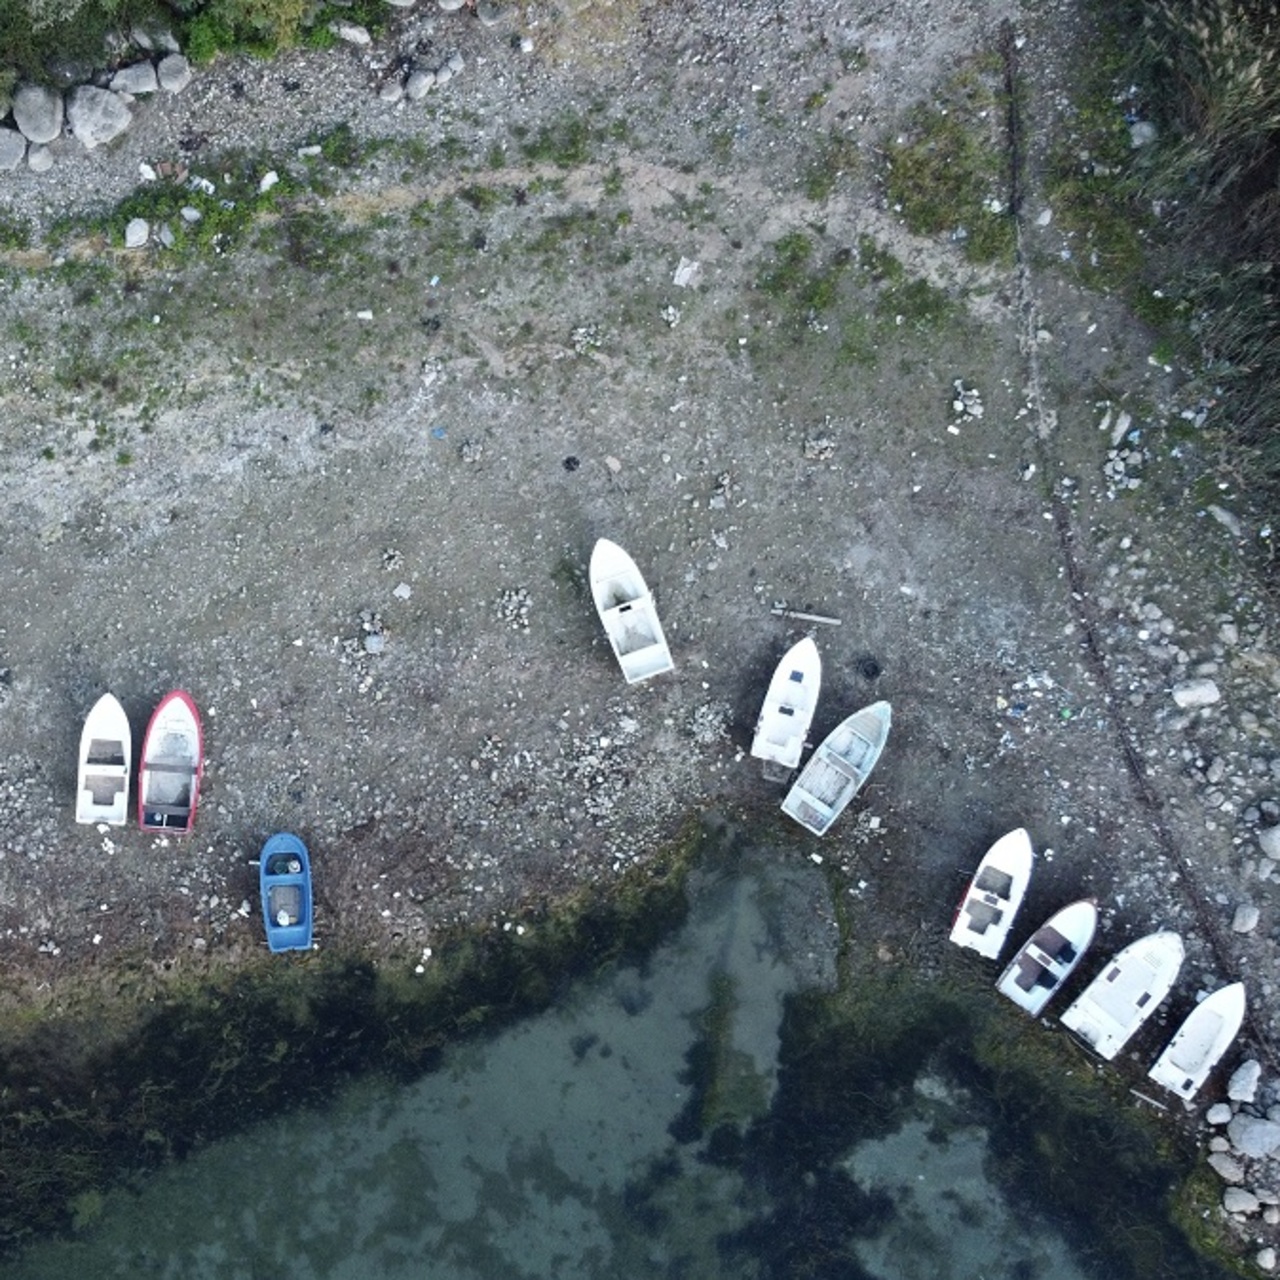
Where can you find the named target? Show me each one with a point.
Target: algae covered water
(720, 1109)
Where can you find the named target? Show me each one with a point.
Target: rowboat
(1049, 957)
(839, 766)
(789, 705)
(985, 914)
(172, 758)
(627, 611)
(106, 749)
(1200, 1042)
(284, 878)
(1126, 993)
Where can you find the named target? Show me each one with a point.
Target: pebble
(1196, 693)
(137, 233)
(1265, 1259)
(1245, 919)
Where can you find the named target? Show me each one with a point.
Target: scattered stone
(513, 608)
(1243, 1085)
(443, 75)
(1196, 693)
(1253, 1137)
(1238, 1200)
(136, 79)
(37, 112)
(1245, 919)
(819, 449)
(966, 402)
(39, 158)
(687, 275)
(420, 84)
(391, 92)
(174, 73)
(1269, 842)
(1219, 1113)
(403, 591)
(351, 33)
(1142, 133)
(96, 116)
(268, 180)
(165, 235)
(190, 214)
(137, 233)
(13, 146)
(1228, 1168)
(1265, 1259)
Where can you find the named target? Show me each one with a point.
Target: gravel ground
(228, 476)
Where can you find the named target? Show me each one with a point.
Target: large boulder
(13, 146)
(97, 116)
(1243, 1085)
(135, 79)
(37, 112)
(1252, 1136)
(174, 73)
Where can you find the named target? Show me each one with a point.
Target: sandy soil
(272, 470)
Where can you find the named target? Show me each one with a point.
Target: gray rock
(97, 116)
(456, 63)
(352, 33)
(37, 112)
(451, 6)
(1269, 842)
(13, 146)
(39, 159)
(67, 72)
(1238, 1200)
(164, 233)
(137, 233)
(135, 79)
(190, 214)
(1218, 1143)
(420, 84)
(1219, 1113)
(1265, 1259)
(151, 40)
(391, 92)
(1245, 919)
(403, 4)
(375, 642)
(1196, 693)
(1253, 1137)
(1243, 1085)
(490, 12)
(1142, 132)
(444, 74)
(174, 73)
(1228, 1168)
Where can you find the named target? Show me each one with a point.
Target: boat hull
(987, 910)
(838, 769)
(106, 754)
(1126, 993)
(627, 612)
(1049, 957)
(1198, 1045)
(172, 762)
(284, 882)
(788, 708)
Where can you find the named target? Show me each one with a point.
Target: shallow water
(637, 1128)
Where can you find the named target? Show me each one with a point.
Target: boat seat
(982, 916)
(995, 881)
(167, 810)
(163, 766)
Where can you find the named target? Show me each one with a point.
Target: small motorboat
(284, 877)
(788, 707)
(1126, 993)
(628, 613)
(106, 752)
(172, 760)
(1198, 1045)
(1049, 957)
(985, 914)
(838, 768)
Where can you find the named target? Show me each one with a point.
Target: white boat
(1048, 958)
(838, 767)
(1200, 1042)
(1126, 993)
(789, 705)
(172, 760)
(626, 609)
(985, 914)
(106, 750)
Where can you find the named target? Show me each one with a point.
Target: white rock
(444, 74)
(1245, 919)
(420, 84)
(1253, 1137)
(1196, 693)
(1228, 1168)
(391, 92)
(1141, 132)
(97, 116)
(451, 6)
(456, 63)
(1265, 1259)
(1219, 1113)
(137, 233)
(39, 158)
(174, 73)
(1238, 1200)
(190, 214)
(37, 111)
(1243, 1085)
(1269, 842)
(352, 33)
(138, 78)
(13, 146)
(268, 180)
(1229, 521)
(1044, 217)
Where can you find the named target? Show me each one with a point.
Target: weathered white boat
(106, 751)
(1126, 993)
(788, 706)
(627, 611)
(1048, 958)
(839, 766)
(985, 914)
(1200, 1042)
(172, 758)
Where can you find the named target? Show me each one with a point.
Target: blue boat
(284, 873)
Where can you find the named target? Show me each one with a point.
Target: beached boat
(788, 707)
(172, 758)
(1126, 993)
(284, 877)
(627, 611)
(985, 914)
(1200, 1042)
(106, 752)
(1048, 958)
(839, 766)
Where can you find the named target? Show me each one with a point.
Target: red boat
(172, 759)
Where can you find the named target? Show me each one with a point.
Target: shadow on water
(678, 1081)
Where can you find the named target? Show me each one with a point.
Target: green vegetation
(948, 171)
(834, 158)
